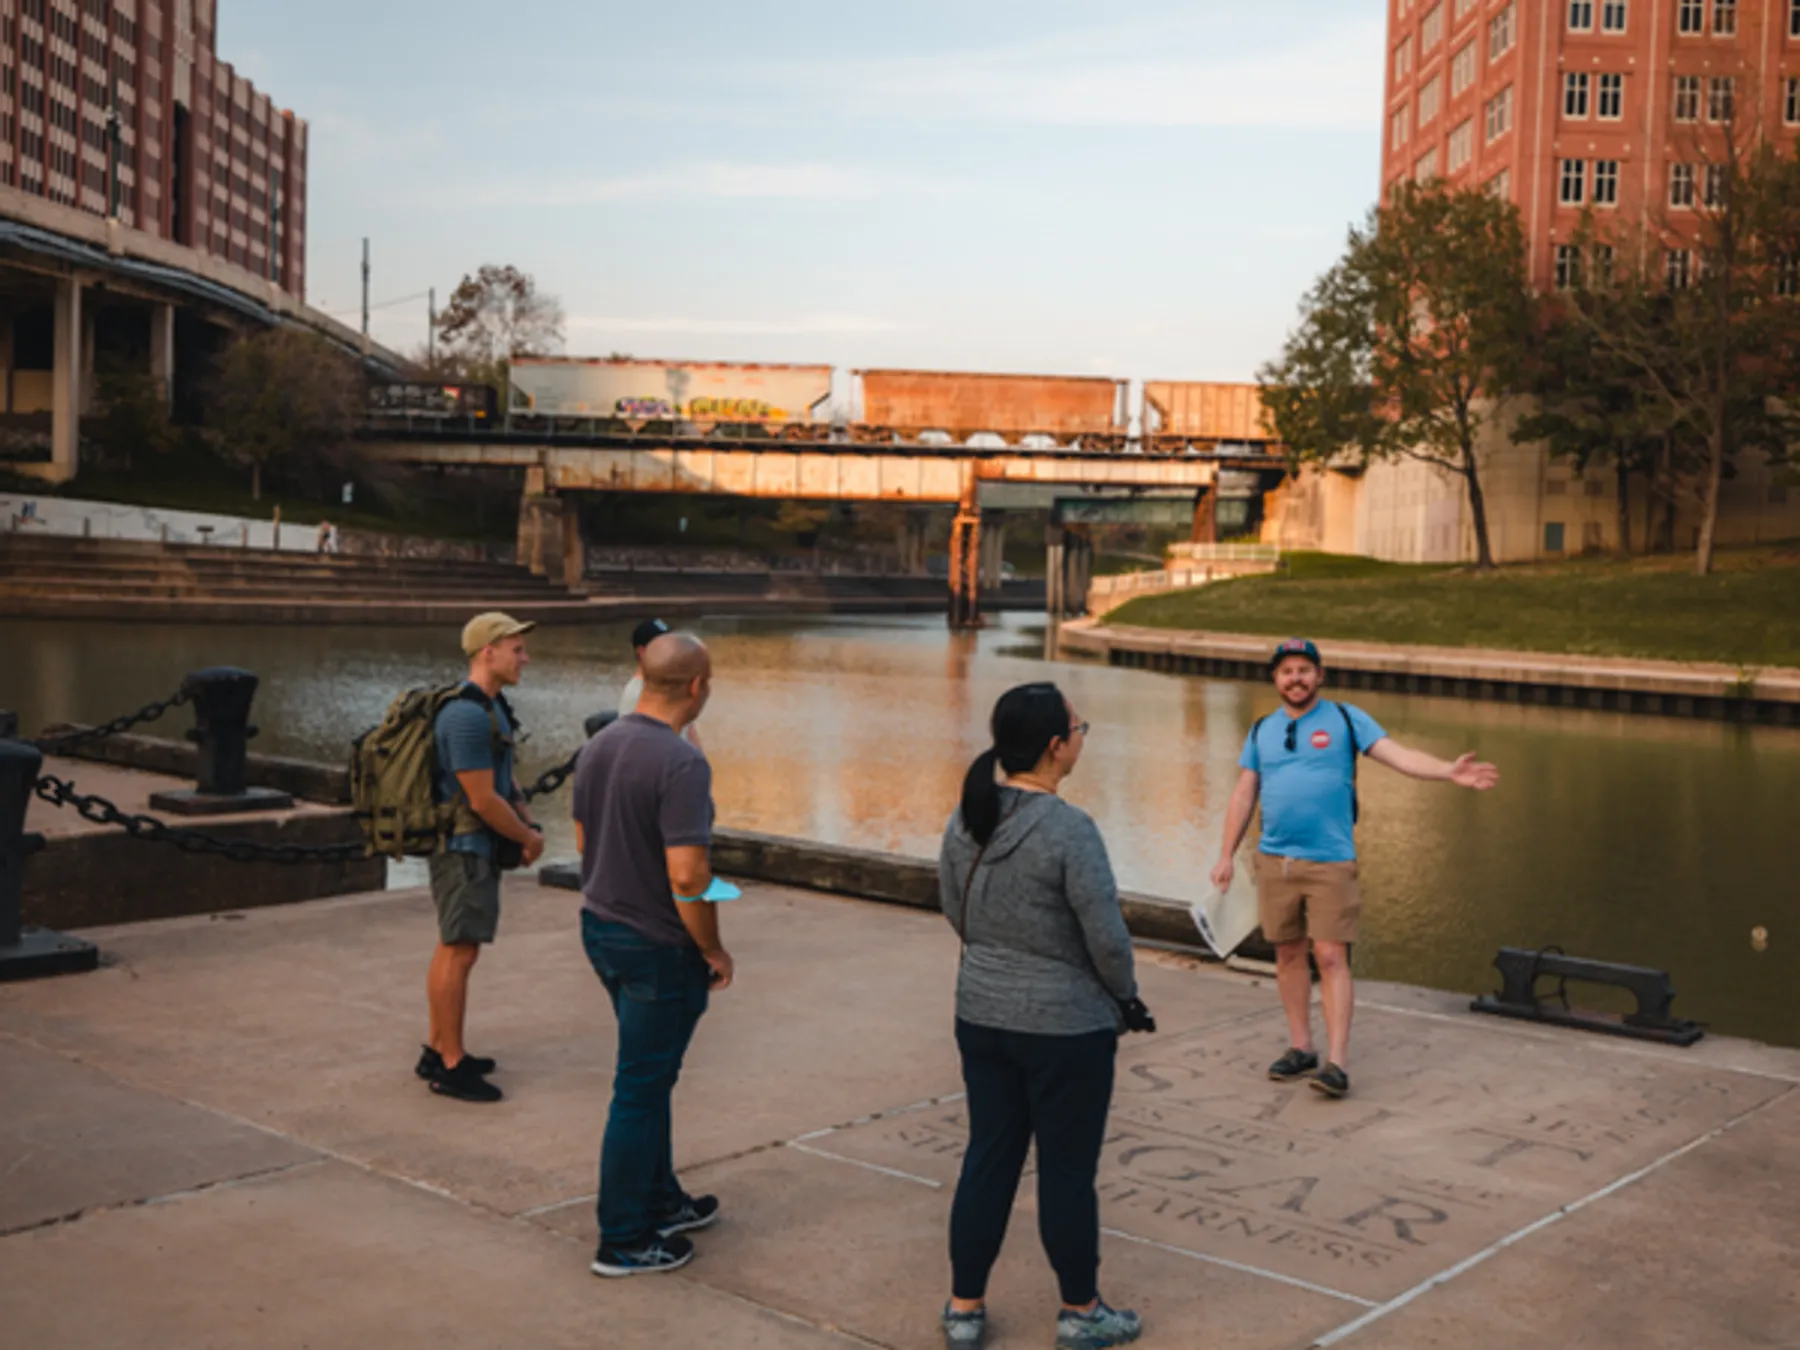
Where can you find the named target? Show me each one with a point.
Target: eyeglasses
(1079, 729)
(1293, 729)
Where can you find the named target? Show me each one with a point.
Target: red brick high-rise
(1563, 104)
(203, 158)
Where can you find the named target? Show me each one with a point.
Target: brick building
(1559, 105)
(196, 155)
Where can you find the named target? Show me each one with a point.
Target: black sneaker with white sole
(431, 1063)
(694, 1213)
(654, 1257)
(1332, 1081)
(1295, 1064)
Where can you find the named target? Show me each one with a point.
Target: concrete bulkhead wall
(1407, 511)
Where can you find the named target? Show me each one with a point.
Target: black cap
(647, 632)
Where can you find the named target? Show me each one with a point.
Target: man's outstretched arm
(1464, 770)
(1237, 824)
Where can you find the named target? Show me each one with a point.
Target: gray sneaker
(965, 1330)
(1094, 1330)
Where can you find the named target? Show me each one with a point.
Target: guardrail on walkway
(1185, 570)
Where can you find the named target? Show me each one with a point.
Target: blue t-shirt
(1306, 791)
(465, 741)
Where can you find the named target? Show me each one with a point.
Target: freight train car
(1059, 409)
(431, 401)
(1183, 413)
(687, 397)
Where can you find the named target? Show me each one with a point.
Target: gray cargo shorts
(466, 889)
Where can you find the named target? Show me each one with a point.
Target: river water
(1647, 840)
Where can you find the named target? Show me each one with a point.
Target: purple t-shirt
(639, 789)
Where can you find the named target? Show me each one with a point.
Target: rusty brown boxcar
(1182, 412)
(909, 403)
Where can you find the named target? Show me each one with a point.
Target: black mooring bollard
(221, 696)
(27, 952)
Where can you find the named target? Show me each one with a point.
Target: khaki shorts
(466, 889)
(1298, 899)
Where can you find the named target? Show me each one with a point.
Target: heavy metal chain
(551, 779)
(59, 792)
(59, 745)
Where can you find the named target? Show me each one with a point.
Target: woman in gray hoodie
(1046, 985)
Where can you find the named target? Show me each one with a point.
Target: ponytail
(1026, 719)
(981, 797)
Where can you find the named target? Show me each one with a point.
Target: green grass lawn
(1747, 613)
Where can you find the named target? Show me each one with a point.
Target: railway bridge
(558, 469)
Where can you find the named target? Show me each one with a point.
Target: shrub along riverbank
(1746, 613)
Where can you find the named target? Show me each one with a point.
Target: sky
(1141, 189)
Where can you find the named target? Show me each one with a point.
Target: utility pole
(365, 280)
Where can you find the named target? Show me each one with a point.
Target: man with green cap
(474, 734)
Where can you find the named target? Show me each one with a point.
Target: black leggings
(1056, 1090)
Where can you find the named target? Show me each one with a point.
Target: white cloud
(800, 325)
(1195, 72)
(716, 180)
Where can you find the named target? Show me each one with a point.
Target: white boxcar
(704, 392)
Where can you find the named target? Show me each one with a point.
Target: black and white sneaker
(654, 1257)
(695, 1212)
(464, 1084)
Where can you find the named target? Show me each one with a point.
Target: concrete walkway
(216, 1141)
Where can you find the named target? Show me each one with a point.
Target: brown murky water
(1635, 839)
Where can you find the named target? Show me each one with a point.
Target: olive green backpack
(393, 768)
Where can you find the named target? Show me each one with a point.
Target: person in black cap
(641, 637)
(1301, 761)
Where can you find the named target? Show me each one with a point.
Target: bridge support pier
(965, 557)
(540, 524)
(574, 547)
(162, 350)
(1206, 525)
(913, 533)
(993, 548)
(1068, 568)
(66, 395)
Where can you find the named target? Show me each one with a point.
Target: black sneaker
(431, 1063)
(695, 1212)
(1332, 1081)
(464, 1084)
(1294, 1064)
(654, 1257)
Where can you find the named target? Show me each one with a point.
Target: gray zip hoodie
(1045, 944)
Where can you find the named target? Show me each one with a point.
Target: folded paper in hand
(1225, 918)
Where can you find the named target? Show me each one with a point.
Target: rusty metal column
(1206, 528)
(965, 555)
(1053, 571)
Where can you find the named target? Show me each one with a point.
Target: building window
(1581, 16)
(1791, 109)
(1794, 18)
(1680, 266)
(1572, 186)
(1724, 18)
(1612, 98)
(1603, 263)
(1463, 69)
(1681, 185)
(1500, 33)
(1499, 114)
(1687, 98)
(1553, 536)
(1462, 145)
(1714, 195)
(1575, 95)
(1403, 60)
(1690, 16)
(1568, 267)
(1431, 29)
(1401, 120)
(1426, 168)
(1720, 95)
(1429, 98)
(1606, 182)
(1463, 7)
(1612, 16)
(1500, 186)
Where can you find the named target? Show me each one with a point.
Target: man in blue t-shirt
(474, 735)
(1301, 761)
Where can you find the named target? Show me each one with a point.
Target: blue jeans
(658, 994)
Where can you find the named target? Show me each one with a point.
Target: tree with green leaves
(1407, 345)
(285, 399)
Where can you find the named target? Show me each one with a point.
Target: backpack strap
(1355, 755)
(467, 822)
(1256, 731)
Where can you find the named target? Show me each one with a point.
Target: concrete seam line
(201, 1188)
(1549, 1036)
(1277, 1276)
(868, 1166)
(1495, 1248)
